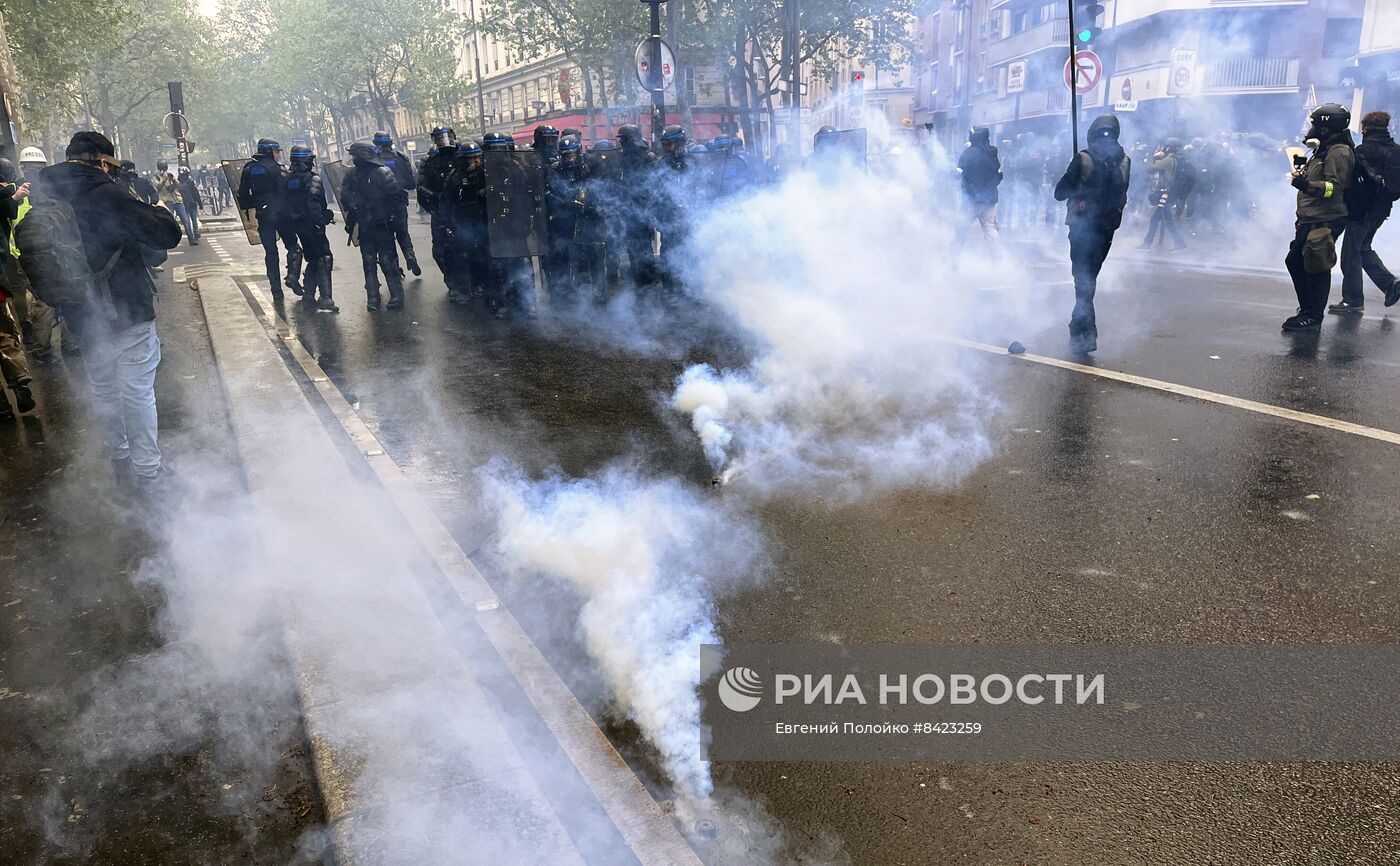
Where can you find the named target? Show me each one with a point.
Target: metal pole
(177, 106)
(658, 80)
(1073, 86)
(476, 56)
(794, 10)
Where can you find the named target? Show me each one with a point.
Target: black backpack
(51, 250)
(1104, 192)
(1368, 187)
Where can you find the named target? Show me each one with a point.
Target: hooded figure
(1322, 183)
(1094, 189)
(1369, 210)
(979, 170)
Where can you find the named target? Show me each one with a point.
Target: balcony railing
(1252, 73)
(1034, 103)
(1051, 34)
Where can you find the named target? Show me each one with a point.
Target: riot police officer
(371, 198)
(674, 195)
(402, 167)
(546, 144)
(308, 216)
(461, 208)
(494, 141)
(563, 203)
(635, 204)
(260, 189)
(431, 178)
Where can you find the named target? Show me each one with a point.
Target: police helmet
(720, 142)
(825, 130)
(383, 139)
(162, 166)
(603, 144)
(32, 154)
(496, 141)
(302, 153)
(569, 144)
(268, 145)
(1172, 145)
(128, 165)
(629, 133)
(696, 147)
(571, 130)
(672, 132)
(364, 150)
(444, 137)
(1330, 118)
(468, 148)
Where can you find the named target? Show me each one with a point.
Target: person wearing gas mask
(432, 176)
(461, 207)
(261, 189)
(402, 167)
(1322, 181)
(1095, 190)
(372, 198)
(1369, 207)
(308, 215)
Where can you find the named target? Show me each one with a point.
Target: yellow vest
(24, 207)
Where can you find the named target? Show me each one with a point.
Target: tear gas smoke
(647, 559)
(850, 387)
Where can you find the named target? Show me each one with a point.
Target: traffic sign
(643, 58)
(176, 126)
(1182, 78)
(1083, 72)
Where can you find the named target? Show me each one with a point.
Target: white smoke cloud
(647, 558)
(845, 286)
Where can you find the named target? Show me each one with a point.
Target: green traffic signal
(1087, 34)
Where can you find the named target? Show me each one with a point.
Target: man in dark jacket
(372, 198)
(1367, 212)
(138, 185)
(308, 216)
(1166, 168)
(121, 351)
(431, 177)
(1094, 189)
(1322, 183)
(260, 188)
(979, 169)
(402, 167)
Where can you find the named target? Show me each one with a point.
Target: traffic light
(857, 92)
(1087, 19)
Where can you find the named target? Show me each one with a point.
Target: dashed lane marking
(1194, 393)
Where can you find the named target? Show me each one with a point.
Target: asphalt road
(1110, 513)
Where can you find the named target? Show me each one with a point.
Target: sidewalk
(102, 764)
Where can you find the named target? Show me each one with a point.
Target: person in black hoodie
(121, 351)
(1368, 211)
(1095, 190)
(979, 169)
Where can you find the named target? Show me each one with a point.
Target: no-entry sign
(1083, 72)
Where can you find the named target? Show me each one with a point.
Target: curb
(390, 748)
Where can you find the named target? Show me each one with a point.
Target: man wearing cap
(120, 345)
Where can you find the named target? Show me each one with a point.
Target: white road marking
(1194, 393)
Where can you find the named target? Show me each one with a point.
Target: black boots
(294, 271)
(323, 275)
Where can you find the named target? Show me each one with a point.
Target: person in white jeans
(122, 374)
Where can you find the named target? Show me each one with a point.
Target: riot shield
(233, 173)
(840, 146)
(707, 172)
(516, 222)
(332, 179)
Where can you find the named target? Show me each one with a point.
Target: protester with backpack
(1322, 182)
(1095, 191)
(87, 246)
(1368, 207)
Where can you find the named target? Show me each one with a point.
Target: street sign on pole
(668, 64)
(1083, 72)
(176, 125)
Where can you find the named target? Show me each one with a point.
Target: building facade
(1167, 67)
